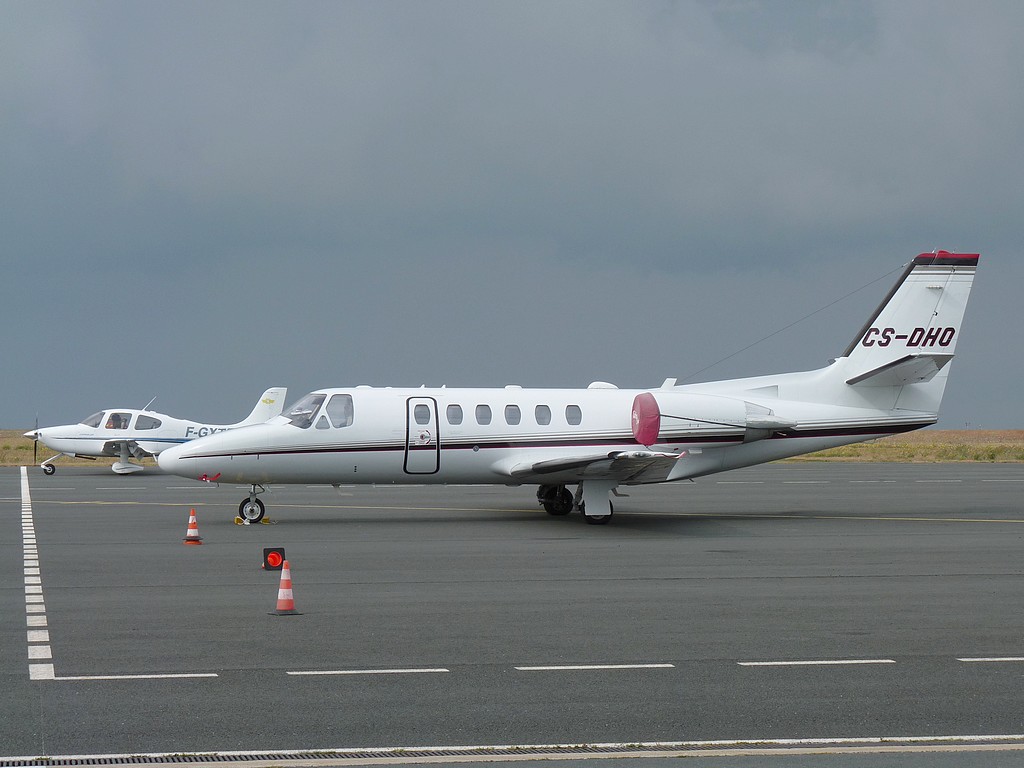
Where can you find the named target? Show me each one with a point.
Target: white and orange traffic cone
(192, 534)
(285, 598)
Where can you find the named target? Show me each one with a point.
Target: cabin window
(483, 414)
(513, 415)
(573, 414)
(543, 415)
(339, 410)
(147, 422)
(454, 414)
(94, 420)
(322, 422)
(302, 413)
(421, 413)
(118, 420)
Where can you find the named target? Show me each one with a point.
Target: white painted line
(34, 589)
(35, 621)
(984, 659)
(181, 676)
(40, 672)
(369, 671)
(938, 481)
(33, 579)
(815, 663)
(38, 636)
(740, 482)
(706, 748)
(123, 488)
(575, 667)
(39, 652)
(806, 482)
(1003, 481)
(39, 608)
(31, 572)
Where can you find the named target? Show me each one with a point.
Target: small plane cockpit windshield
(93, 421)
(301, 414)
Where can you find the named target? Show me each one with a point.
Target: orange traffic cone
(192, 534)
(285, 599)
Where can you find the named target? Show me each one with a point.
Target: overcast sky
(202, 200)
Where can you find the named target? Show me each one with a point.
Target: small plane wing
(114, 448)
(622, 466)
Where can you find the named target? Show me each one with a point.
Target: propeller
(35, 441)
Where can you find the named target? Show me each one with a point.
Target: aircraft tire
(252, 511)
(48, 469)
(598, 519)
(557, 500)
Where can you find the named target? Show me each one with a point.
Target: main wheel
(557, 499)
(49, 469)
(598, 519)
(252, 511)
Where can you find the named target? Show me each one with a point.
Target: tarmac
(821, 610)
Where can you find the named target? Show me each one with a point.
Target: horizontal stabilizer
(909, 369)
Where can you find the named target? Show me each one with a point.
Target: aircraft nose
(172, 462)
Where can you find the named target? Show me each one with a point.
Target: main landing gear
(558, 500)
(251, 510)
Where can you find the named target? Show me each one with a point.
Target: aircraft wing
(113, 448)
(621, 466)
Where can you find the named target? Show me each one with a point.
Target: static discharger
(192, 534)
(285, 598)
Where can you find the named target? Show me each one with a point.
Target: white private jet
(889, 380)
(129, 433)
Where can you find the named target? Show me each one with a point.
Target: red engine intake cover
(646, 419)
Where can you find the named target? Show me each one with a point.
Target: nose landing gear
(251, 510)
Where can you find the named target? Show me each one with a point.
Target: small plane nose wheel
(251, 510)
(48, 469)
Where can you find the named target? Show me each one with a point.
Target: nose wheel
(251, 510)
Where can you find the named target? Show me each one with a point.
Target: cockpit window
(339, 409)
(146, 422)
(118, 420)
(301, 414)
(94, 420)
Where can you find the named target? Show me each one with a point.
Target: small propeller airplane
(129, 433)
(890, 379)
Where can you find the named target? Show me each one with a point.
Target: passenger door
(422, 448)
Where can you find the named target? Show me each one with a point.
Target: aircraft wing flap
(623, 466)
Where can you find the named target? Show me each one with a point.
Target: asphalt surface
(680, 622)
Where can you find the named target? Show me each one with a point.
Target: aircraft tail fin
(270, 404)
(911, 337)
